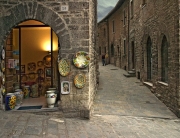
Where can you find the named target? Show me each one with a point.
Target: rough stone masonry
(75, 28)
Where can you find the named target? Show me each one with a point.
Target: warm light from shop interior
(47, 46)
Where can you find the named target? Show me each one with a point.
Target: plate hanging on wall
(40, 63)
(47, 61)
(81, 59)
(32, 76)
(64, 67)
(31, 66)
(80, 80)
(24, 78)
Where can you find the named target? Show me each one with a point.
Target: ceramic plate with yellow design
(81, 59)
(64, 67)
(80, 80)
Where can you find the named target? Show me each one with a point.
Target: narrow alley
(123, 108)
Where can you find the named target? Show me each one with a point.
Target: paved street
(123, 108)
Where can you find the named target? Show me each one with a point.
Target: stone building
(151, 42)
(113, 34)
(74, 24)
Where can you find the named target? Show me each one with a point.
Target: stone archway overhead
(36, 11)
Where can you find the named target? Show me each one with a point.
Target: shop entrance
(31, 54)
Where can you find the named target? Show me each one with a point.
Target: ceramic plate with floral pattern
(80, 80)
(81, 59)
(64, 67)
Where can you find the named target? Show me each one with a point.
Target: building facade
(74, 23)
(152, 43)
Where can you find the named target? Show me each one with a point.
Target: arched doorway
(33, 46)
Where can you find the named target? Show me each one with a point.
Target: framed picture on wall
(65, 87)
(47, 73)
(22, 68)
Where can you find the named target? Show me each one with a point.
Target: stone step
(130, 73)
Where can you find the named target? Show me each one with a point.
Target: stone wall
(154, 20)
(75, 30)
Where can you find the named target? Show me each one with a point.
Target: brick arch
(34, 11)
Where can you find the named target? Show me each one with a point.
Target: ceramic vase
(50, 98)
(19, 96)
(26, 91)
(10, 101)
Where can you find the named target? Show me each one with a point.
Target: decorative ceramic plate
(64, 67)
(81, 59)
(24, 78)
(80, 80)
(47, 61)
(2, 65)
(40, 63)
(32, 76)
(31, 66)
(3, 54)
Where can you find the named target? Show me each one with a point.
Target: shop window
(164, 60)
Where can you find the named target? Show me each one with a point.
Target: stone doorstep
(148, 84)
(54, 109)
(131, 72)
(130, 75)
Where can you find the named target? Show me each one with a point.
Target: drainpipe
(128, 38)
(108, 40)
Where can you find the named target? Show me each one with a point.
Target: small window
(124, 47)
(132, 8)
(113, 26)
(104, 32)
(124, 17)
(99, 50)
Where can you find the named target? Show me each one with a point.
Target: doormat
(29, 107)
